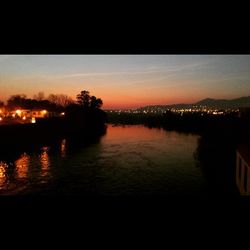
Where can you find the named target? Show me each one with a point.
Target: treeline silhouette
(187, 122)
(197, 123)
(20, 101)
(54, 102)
(83, 118)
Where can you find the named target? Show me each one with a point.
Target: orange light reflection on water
(45, 162)
(2, 173)
(22, 165)
(63, 148)
(134, 132)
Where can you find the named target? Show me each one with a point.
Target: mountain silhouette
(223, 103)
(209, 102)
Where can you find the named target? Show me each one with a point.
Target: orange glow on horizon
(130, 104)
(117, 100)
(127, 81)
(120, 96)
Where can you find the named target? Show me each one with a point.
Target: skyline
(127, 81)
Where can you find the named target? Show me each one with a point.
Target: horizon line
(175, 103)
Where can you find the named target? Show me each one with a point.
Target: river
(127, 160)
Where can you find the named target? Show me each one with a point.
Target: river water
(127, 160)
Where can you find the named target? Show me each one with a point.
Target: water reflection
(63, 148)
(127, 160)
(138, 160)
(2, 174)
(27, 165)
(45, 162)
(13, 173)
(22, 165)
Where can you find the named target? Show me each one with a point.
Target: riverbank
(16, 138)
(230, 125)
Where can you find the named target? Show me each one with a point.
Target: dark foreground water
(126, 160)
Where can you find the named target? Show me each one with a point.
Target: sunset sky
(127, 81)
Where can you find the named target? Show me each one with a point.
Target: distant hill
(209, 102)
(222, 103)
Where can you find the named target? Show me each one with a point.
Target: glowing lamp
(33, 120)
(44, 112)
(24, 118)
(18, 112)
(62, 113)
(1, 118)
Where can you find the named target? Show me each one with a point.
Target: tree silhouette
(20, 101)
(95, 102)
(83, 99)
(60, 99)
(16, 101)
(86, 101)
(40, 96)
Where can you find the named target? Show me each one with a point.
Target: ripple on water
(128, 160)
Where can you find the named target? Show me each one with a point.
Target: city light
(44, 112)
(19, 112)
(1, 118)
(160, 110)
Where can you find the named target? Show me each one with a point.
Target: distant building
(29, 113)
(22, 116)
(243, 169)
(35, 113)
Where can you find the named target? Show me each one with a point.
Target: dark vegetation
(54, 102)
(188, 122)
(231, 125)
(82, 125)
(82, 119)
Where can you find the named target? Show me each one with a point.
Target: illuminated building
(37, 113)
(28, 113)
